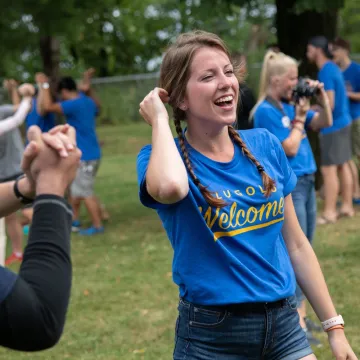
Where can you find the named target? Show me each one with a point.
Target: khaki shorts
(355, 137)
(83, 185)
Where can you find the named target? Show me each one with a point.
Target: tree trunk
(103, 63)
(50, 54)
(294, 32)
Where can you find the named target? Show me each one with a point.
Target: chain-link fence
(121, 95)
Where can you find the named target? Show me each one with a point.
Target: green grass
(123, 303)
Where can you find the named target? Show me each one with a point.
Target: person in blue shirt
(224, 199)
(335, 141)
(80, 111)
(351, 73)
(277, 112)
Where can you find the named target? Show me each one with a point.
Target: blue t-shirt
(45, 123)
(352, 81)
(237, 253)
(333, 80)
(81, 114)
(269, 117)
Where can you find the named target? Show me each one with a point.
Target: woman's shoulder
(260, 140)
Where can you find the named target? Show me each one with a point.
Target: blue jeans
(304, 199)
(211, 333)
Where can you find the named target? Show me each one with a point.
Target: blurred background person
(351, 73)
(335, 141)
(246, 96)
(287, 117)
(11, 152)
(44, 120)
(80, 112)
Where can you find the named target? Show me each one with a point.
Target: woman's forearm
(311, 280)
(40, 296)
(328, 117)
(9, 202)
(18, 118)
(306, 266)
(166, 176)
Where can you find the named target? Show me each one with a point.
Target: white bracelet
(337, 320)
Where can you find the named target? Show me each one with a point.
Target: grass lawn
(123, 303)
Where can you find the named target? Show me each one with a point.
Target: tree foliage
(128, 36)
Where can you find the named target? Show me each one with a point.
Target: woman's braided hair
(174, 76)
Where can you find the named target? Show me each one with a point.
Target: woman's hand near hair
(166, 177)
(152, 108)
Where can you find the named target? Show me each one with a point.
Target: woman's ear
(183, 106)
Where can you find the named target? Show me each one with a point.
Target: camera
(303, 89)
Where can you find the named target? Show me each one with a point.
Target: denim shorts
(213, 333)
(304, 199)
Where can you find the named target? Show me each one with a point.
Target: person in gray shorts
(351, 73)
(335, 141)
(83, 185)
(80, 111)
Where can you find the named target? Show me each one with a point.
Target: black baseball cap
(321, 42)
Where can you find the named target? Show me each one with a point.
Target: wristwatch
(337, 320)
(23, 199)
(45, 85)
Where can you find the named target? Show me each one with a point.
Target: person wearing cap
(335, 141)
(351, 73)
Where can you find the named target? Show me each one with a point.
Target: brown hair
(174, 76)
(341, 43)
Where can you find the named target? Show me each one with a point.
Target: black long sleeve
(32, 315)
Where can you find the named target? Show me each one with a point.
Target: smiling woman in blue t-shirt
(276, 112)
(224, 199)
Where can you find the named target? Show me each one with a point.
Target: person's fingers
(164, 97)
(71, 133)
(162, 91)
(55, 142)
(29, 154)
(59, 128)
(162, 94)
(34, 134)
(67, 142)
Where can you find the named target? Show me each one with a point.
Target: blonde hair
(274, 64)
(174, 76)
